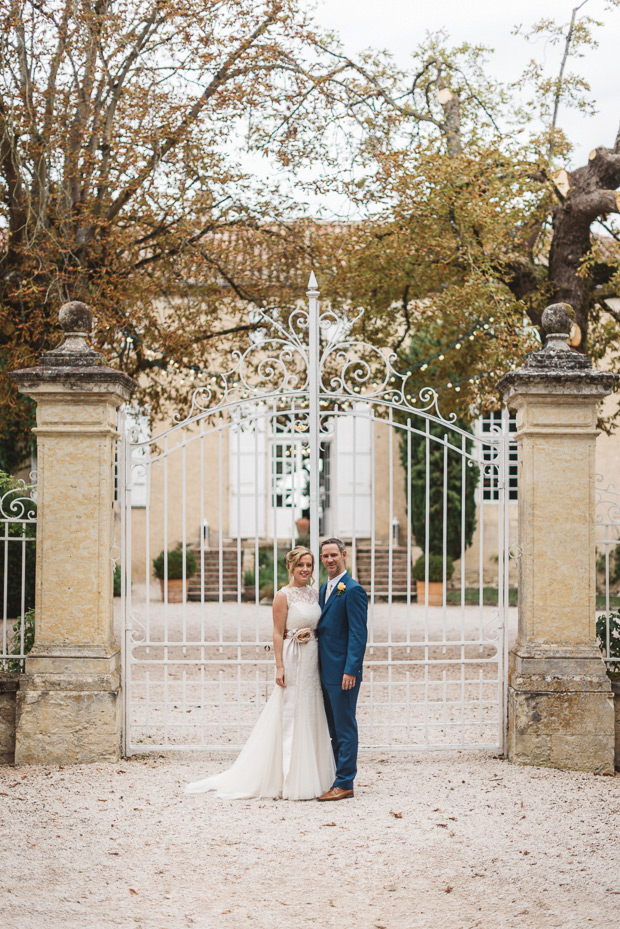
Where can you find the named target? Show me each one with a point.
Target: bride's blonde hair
(294, 557)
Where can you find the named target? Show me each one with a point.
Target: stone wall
(9, 684)
(615, 687)
(68, 705)
(560, 703)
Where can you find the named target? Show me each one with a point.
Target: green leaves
(437, 467)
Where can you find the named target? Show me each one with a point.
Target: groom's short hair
(338, 542)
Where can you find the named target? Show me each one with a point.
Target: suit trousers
(340, 708)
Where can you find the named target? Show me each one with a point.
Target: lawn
(489, 596)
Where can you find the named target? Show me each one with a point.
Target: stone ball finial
(556, 354)
(558, 319)
(76, 317)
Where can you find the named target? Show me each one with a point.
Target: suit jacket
(342, 631)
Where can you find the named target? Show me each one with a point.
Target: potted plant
(612, 660)
(435, 578)
(173, 558)
(611, 654)
(265, 576)
(249, 585)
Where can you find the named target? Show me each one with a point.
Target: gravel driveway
(431, 841)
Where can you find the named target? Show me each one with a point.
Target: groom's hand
(348, 681)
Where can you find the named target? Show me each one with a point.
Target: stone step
(383, 556)
(212, 556)
(213, 572)
(208, 573)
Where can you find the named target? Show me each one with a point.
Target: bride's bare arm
(280, 609)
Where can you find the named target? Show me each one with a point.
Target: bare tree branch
(173, 139)
(559, 85)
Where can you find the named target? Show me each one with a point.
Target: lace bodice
(303, 607)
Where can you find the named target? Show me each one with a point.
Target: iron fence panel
(312, 430)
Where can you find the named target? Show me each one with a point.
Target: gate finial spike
(312, 283)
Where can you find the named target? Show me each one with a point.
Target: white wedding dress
(288, 753)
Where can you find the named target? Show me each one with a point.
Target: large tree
(469, 212)
(133, 140)
(126, 178)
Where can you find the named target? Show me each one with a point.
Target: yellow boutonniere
(340, 589)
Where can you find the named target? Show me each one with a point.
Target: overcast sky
(400, 25)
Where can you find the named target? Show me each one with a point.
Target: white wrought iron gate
(313, 431)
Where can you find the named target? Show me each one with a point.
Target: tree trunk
(569, 246)
(591, 195)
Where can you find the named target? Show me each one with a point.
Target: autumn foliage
(154, 159)
(122, 128)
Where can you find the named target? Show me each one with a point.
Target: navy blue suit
(342, 634)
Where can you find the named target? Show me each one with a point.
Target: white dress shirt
(333, 583)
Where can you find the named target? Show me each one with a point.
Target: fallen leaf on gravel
(442, 825)
(396, 815)
(447, 890)
(132, 891)
(3, 793)
(99, 800)
(327, 824)
(453, 818)
(226, 911)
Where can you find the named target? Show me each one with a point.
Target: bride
(288, 753)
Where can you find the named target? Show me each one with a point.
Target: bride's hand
(280, 677)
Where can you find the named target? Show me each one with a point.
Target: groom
(342, 637)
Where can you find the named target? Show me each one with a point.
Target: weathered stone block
(68, 707)
(68, 726)
(9, 683)
(615, 686)
(571, 730)
(560, 705)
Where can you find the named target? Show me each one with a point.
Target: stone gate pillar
(560, 709)
(69, 701)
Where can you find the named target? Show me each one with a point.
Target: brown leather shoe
(336, 793)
